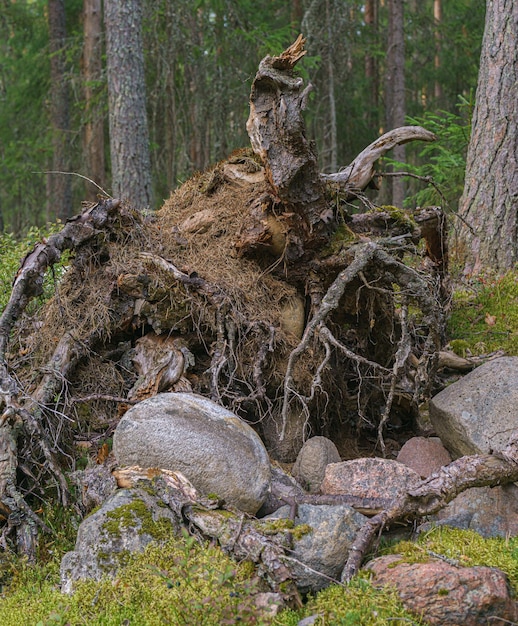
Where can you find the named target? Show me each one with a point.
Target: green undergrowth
(179, 582)
(185, 582)
(485, 316)
(13, 250)
(355, 604)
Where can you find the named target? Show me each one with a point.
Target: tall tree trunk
(129, 136)
(59, 188)
(93, 133)
(488, 235)
(395, 87)
(371, 64)
(332, 158)
(437, 18)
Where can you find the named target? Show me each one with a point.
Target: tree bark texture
(489, 205)
(93, 135)
(129, 136)
(395, 87)
(59, 189)
(371, 62)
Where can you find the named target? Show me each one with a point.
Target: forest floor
(187, 583)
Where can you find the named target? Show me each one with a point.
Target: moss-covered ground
(484, 317)
(185, 582)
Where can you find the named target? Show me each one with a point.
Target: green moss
(274, 526)
(342, 237)
(459, 346)
(300, 530)
(137, 515)
(398, 215)
(485, 316)
(178, 582)
(355, 604)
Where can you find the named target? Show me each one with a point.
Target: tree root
(433, 493)
(413, 286)
(15, 414)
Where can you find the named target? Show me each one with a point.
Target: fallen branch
(433, 493)
(235, 532)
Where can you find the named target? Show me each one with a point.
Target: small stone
(314, 456)
(424, 455)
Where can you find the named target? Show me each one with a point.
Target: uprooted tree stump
(258, 284)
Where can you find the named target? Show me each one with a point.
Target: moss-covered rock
(126, 523)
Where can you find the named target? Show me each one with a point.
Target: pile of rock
(225, 459)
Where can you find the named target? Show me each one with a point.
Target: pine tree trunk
(371, 64)
(59, 189)
(129, 136)
(395, 87)
(93, 134)
(488, 236)
(437, 18)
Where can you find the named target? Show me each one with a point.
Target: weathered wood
(236, 532)
(278, 134)
(14, 416)
(434, 493)
(357, 176)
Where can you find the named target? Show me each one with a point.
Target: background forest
(200, 59)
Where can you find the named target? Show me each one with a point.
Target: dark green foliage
(200, 60)
(443, 161)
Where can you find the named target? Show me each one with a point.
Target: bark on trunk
(129, 137)
(395, 87)
(488, 234)
(93, 134)
(59, 188)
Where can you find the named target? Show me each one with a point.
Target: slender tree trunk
(129, 136)
(297, 13)
(333, 141)
(395, 87)
(371, 65)
(437, 18)
(93, 134)
(59, 189)
(488, 235)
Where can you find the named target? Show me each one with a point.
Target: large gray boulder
(489, 511)
(479, 412)
(218, 452)
(127, 522)
(320, 552)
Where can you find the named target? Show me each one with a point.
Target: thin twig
(79, 176)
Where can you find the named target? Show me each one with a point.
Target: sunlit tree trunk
(59, 189)
(395, 87)
(93, 132)
(488, 235)
(129, 136)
